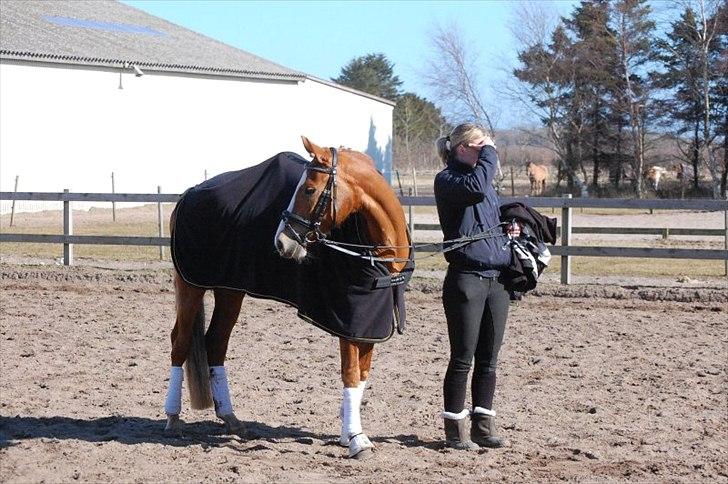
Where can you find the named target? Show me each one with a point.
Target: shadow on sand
(136, 430)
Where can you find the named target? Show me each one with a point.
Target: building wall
(71, 127)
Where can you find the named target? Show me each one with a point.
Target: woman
(476, 304)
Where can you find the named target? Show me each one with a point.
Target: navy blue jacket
(467, 205)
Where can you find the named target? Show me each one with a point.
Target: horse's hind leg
(189, 307)
(224, 317)
(353, 355)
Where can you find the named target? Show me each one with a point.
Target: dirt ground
(596, 383)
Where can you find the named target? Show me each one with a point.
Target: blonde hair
(464, 133)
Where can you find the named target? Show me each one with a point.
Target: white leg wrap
(484, 411)
(359, 394)
(456, 416)
(220, 391)
(351, 419)
(173, 403)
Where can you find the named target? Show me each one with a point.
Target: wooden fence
(565, 250)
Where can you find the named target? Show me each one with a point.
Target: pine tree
(682, 107)
(595, 68)
(373, 74)
(548, 71)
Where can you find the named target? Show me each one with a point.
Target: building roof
(107, 33)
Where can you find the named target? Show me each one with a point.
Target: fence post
(566, 240)
(159, 221)
(513, 186)
(411, 220)
(12, 206)
(399, 182)
(67, 230)
(414, 179)
(113, 204)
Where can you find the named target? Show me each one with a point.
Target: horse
(537, 175)
(335, 187)
(653, 174)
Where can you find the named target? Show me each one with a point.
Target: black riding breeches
(476, 309)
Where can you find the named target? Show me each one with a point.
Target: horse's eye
(310, 191)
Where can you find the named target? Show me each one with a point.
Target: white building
(92, 88)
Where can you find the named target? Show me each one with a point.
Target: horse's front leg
(224, 317)
(355, 366)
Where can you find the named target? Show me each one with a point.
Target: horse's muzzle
(289, 248)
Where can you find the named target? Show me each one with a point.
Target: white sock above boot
(456, 416)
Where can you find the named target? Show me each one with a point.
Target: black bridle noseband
(328, 196)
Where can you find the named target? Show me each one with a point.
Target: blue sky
(320, 37)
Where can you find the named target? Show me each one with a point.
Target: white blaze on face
(286, 245)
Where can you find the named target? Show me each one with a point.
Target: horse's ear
(312, 148)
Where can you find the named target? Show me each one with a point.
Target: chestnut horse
(327, 194)
(537, 175)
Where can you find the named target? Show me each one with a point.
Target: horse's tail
(198, 372)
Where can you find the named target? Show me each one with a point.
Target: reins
(446, 246)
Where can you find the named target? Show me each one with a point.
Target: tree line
(608, 88)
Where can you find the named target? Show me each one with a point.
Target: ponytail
(443, 148)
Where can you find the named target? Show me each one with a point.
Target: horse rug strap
(223, 238)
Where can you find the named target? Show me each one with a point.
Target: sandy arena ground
(596, 383)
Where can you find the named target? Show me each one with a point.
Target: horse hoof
(362, 455)
(174, 425)
(360, 447)
(233, 426)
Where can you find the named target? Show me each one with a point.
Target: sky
(321, 37)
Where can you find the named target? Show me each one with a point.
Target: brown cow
(537, 175)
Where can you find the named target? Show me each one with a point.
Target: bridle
(328, 196)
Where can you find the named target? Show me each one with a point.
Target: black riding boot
(456, 434)
(482, 429)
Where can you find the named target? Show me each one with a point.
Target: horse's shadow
(137, 430)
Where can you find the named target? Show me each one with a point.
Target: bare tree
(632, 29)
(452, 75)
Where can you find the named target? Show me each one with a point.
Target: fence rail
(565, 250)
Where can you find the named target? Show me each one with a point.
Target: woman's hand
(513, 230)
(480, 142)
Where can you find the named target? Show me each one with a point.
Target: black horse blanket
(223, 237)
